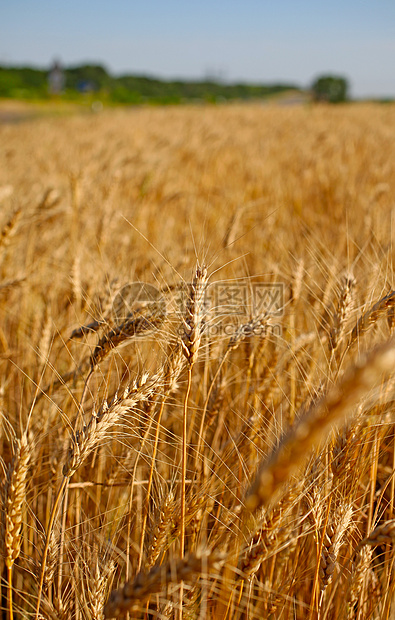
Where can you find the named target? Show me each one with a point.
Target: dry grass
(182, 460)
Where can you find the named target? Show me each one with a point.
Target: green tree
(330, 88)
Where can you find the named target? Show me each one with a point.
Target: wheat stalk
(193, 322)
(333, 539)
(14, 497)
(132, 326)
(161, 530)
(295, 446)
(371, 316)
(98, 588)
(85, 441)
(172, 371)
(342, 311)
(131, 596)
(382, 534)
(8, 231)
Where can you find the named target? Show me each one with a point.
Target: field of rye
(197, 389)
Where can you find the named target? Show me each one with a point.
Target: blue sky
(255, 40)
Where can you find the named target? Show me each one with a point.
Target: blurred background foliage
(82, 80)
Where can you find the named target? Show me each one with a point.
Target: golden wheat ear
(344, 306)
(132, 595)
(295, 446)
(14, 496)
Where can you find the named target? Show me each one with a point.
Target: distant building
(56, 79)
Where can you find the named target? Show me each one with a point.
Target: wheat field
(197, 396)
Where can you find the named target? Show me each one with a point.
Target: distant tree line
(28, 83)
(96, 81)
